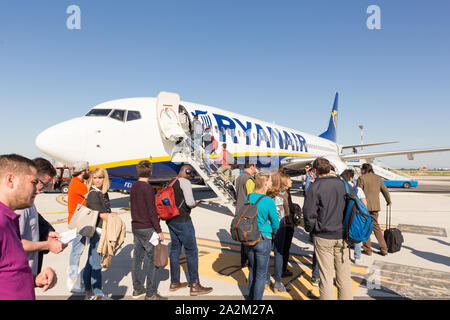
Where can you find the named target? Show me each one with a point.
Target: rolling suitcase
(392, 236)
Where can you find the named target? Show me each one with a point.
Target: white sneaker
(75, 286)
(100, 297)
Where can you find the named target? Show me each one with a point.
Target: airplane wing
(409, 153)
(298, 163)
(368, 145)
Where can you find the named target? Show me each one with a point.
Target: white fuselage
(118, 144)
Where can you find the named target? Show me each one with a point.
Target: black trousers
(287, 246)
(244, 257)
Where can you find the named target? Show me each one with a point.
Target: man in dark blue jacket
(323, 212)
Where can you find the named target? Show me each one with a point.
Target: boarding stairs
(167, 111)
(219, 183)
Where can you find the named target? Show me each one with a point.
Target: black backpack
(296, 216)
(392, 236)
(244, 227)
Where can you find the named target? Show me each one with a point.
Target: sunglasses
(45, 185)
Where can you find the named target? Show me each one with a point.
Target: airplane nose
(64, 142)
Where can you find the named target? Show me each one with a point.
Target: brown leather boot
(197, 289)
(178, 285)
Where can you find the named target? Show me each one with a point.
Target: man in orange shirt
(76, 195)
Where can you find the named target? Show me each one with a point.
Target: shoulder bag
(84, 220)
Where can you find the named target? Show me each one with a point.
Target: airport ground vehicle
(62, 179)
(401, 183)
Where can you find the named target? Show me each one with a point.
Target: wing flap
(409, 153)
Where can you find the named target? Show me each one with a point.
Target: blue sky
(278, 61)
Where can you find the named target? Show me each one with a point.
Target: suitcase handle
(388, 216)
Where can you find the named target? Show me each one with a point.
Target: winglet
(330, 134)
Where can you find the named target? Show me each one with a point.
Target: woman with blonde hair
(259, 254)
(97, 199)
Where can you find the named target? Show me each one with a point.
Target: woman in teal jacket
(268, 222)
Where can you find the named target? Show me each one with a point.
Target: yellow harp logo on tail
(334, 115)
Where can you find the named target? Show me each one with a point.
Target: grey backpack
(244, 227)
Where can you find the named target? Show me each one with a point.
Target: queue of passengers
(323, 214)
(25, 235)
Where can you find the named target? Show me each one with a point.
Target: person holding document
(97, 199)
(144, 223)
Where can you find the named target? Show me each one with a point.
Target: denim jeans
(197, 146)
(315, 267)
(278, 247)
(357, 249)
(78, 245)
(183, 234)
(142, 246)
(208, 161)
(92, 272)
(258, 259)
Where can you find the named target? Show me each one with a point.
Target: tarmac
(420, 270)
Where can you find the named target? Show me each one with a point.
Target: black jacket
(180, 202)
(99, 202)
(324, 208)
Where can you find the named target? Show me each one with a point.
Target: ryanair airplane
(118, 134)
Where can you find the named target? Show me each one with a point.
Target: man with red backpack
(182, 234)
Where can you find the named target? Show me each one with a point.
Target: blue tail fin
(330, 134)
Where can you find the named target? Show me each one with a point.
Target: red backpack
(165, 202)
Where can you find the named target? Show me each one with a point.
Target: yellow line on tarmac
(58, 212)
(225, 265)
(60, 199)
(59, 221)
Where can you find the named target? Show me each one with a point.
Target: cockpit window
(98, 113)
(133, 115)
(118, 115)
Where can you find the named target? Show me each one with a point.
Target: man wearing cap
(76, 195)
(182, 234)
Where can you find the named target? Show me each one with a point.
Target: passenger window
(98, 113)
(133, 115)
(118, 115)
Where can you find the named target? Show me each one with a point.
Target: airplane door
(167, 105)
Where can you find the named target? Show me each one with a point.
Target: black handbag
(296, 215)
